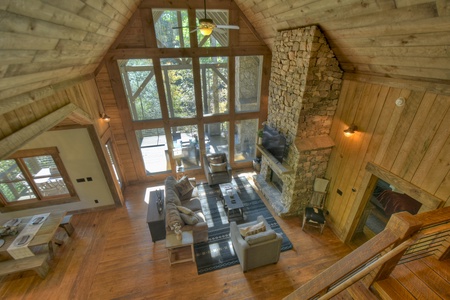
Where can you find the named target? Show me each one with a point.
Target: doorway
(385, 200)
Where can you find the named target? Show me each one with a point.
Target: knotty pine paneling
(411, 142)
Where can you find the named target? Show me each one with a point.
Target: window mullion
(29, 178)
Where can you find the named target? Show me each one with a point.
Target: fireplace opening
(276, 181)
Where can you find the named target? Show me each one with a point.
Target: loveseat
(184, 209)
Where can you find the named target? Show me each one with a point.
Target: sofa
(183, 209)
(259, 246)
(217, 169)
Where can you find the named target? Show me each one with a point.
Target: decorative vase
(159, 205)
(179, 236)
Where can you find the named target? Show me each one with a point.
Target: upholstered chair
(217, 169)
(258, 249)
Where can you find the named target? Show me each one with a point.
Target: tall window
(32, 176)
(179, 87)
(171, 27)
(214, 73)
(138, 78)
(112, 159)
(176, 94)
(248, 82)
(186, 151)
(217, 137)
(245, 139)
(153, 146)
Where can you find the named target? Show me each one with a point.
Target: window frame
(40, 200)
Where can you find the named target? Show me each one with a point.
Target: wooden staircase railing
(405, 238)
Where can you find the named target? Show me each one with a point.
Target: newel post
(403, 225)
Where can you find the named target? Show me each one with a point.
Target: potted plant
(260, 136)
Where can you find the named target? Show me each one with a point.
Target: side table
(156, 220)
(174, 247)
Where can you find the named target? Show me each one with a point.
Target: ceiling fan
(206, 26)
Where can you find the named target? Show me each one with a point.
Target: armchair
(217, 169)
(256, 250)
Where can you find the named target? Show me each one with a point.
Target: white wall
(80, 160)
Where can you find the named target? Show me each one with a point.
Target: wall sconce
(105, 117)
(351, 130)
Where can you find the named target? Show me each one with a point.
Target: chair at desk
(313, 214)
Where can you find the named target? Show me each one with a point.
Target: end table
(174, 247)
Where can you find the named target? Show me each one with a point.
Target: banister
(321, 283)
(376, 259)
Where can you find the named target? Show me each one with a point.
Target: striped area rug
(218, 252)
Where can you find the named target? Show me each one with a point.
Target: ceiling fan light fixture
(206, 26)
(206, 30)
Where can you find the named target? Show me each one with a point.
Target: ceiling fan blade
(193, 30)
(227, 26)
(181, 27)
(219, 30)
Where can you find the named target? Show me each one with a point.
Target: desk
(44, 236)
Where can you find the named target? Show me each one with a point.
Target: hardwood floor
(111, 256)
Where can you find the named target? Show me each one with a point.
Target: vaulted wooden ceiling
(46, 44)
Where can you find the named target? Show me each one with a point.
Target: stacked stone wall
(303, 94)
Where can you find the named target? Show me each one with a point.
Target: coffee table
(232, 202)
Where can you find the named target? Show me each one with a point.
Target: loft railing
(405, 238)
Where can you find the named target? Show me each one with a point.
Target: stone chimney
(304, 90)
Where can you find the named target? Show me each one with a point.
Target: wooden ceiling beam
(13, 142)
(15, 102)
(176, 52)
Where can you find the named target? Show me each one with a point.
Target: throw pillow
(261, 237)
(215, 159)
(253, 229)
(173, 217)
(184, 186)
(185, 210)
(218, 167)
(189, 219)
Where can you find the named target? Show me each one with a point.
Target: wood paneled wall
(409, 144)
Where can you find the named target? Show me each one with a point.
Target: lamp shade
(206, 30)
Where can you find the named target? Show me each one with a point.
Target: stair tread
(390, 288)
(359, 291)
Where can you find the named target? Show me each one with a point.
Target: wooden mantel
(314, 143)
(274, 164)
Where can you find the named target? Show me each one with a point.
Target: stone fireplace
(304, 90)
